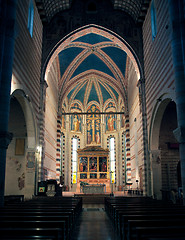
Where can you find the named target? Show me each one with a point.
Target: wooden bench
(127, 213)
(164, 238)
(55, 214)
(134, 224)
(126, 218)
(172, 231)
(31, 233)
(13, 199)
(147, 211)
(39, 221)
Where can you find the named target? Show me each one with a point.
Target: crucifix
(92, 120)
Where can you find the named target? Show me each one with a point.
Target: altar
(93, 170)
(93, 163)
(94, 188)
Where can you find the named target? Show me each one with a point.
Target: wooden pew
(148, 217)
(38, 221)
(172, 231)
(118, 220)
(31, 233)
(134, 224)
(45, 213)
(124, 213)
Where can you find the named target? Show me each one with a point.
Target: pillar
(7, 34)
(128, 159)
(43, 86)
(176, 8)
(147, 188)
(58, 148)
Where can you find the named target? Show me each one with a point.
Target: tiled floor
(94, 224)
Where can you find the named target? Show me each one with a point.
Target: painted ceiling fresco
(93, 63)
(92, 68)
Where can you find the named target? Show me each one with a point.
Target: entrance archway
(164, 150)
(21, 162)
(88, 69)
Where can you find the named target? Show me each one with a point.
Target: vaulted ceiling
(93, 66)
(136, 8)
(92, 54)
(93, 63)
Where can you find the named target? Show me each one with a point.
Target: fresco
(76, 119)
(111, 117)
(63, 122)
(83, 164)
(93, 125)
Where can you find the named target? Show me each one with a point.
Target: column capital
(5, 139)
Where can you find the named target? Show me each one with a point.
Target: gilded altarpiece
(93, 165)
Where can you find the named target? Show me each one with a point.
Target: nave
(94, 224)
(71, 218)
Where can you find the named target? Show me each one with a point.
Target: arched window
(112, 159)
(153, 20)
(74, 159)
(30, 17)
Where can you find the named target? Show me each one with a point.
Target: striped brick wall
(158, 66)
(134, 127)
(60, 152)
(63, 151)
(159, 77)
(128, 159)
(78, 138)
(52, 124)
(108, 144)
(123, 158)
(27, 69)
(58, 148)
(27, 56)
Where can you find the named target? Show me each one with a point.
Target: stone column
(7, 35)
(58, 148)
(147, 166)
(128, 160)
(119, 149)
(176, 8)
(3, 7)
(155, 156)
(68, 152)
(41, 129)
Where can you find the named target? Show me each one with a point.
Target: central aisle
(94, 224)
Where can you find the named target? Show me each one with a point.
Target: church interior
(92, 102)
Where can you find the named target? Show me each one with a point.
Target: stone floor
(94, 224)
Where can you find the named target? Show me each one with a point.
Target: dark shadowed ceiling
(135, 8)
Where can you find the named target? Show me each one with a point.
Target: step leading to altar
(92, 198)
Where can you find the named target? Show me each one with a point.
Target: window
(153, 20)
(112, 159)
(30, 18)
(74, 160)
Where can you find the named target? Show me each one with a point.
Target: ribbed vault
(93, 66)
